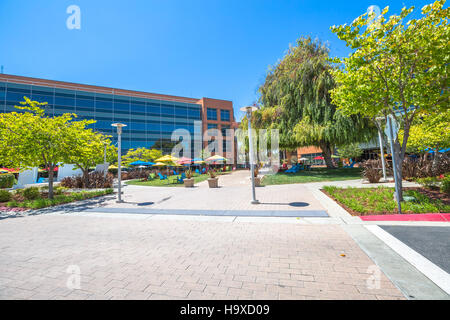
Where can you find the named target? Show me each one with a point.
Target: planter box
(213, 182)
(188, 183)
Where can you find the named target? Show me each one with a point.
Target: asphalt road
(431, 242)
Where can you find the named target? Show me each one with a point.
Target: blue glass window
(211, 114)
(224, 115)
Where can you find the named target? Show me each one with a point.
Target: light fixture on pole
(249, 111)
(119, 127)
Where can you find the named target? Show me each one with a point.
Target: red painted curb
(442, 217)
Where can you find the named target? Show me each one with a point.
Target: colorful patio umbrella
(3, 170)
(184, 160)
(303, 159)
(318, 158)
(216, 158)
(46, 169)
(11, 170)
(199, 162)
(167, 158)
(113, 167)
(159, 164)
(141, 163)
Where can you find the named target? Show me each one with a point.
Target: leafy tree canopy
(142, 154)
(296, 100)
(32, 139)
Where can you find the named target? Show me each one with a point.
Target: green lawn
(315, 175)
(171, 182)
(363, 201)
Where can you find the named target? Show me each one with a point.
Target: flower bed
(30, 199)
(380, 201)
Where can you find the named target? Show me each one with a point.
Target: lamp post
(119, 127)
(249, 111)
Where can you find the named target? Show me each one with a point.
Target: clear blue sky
(211, 48)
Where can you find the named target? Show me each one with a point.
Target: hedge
(7, 180)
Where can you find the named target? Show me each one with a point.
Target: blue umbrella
(141, 163)
(441, 151)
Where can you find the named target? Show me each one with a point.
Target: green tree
(88, 148)
(141, 154)
(397, 67)
(351, 150)
(296, 100)
(31, 138)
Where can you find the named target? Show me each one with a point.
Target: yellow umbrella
(199, 162)
(113, 167)
(3, 171)
(167, 158)
(159, 164)
(216, 158)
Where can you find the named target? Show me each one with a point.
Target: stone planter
(213, 182)
(189, 183)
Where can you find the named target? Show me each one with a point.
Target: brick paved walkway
(234, 194)
(136, 258)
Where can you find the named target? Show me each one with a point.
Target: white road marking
(429, 269)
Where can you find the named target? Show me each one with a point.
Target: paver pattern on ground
(131, 258)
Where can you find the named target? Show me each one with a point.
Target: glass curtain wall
(149, 122)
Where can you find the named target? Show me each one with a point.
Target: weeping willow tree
(296, 101)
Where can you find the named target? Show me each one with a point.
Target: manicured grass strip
(172, 182)
(364, 201)
(315, 175)
(59, 199)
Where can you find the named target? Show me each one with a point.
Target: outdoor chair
(180, 179)
(294, 169)
(162, 177)
(351, 165)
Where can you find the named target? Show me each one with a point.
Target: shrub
(59, 190)
(7, 180)
(429, 182)
(189, 174)
(5, 196)
(371, 170)
(423, 167)
(95, 180)
(212, 173)
(445, 184)
(31, 193)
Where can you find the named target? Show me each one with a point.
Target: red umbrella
(184, 160)
(319, 158)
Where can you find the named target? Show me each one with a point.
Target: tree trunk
(85, 177)
(326, 152)
(50, 181)
(434, 165)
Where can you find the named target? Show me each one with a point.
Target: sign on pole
(392, 131)
(392, 135)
